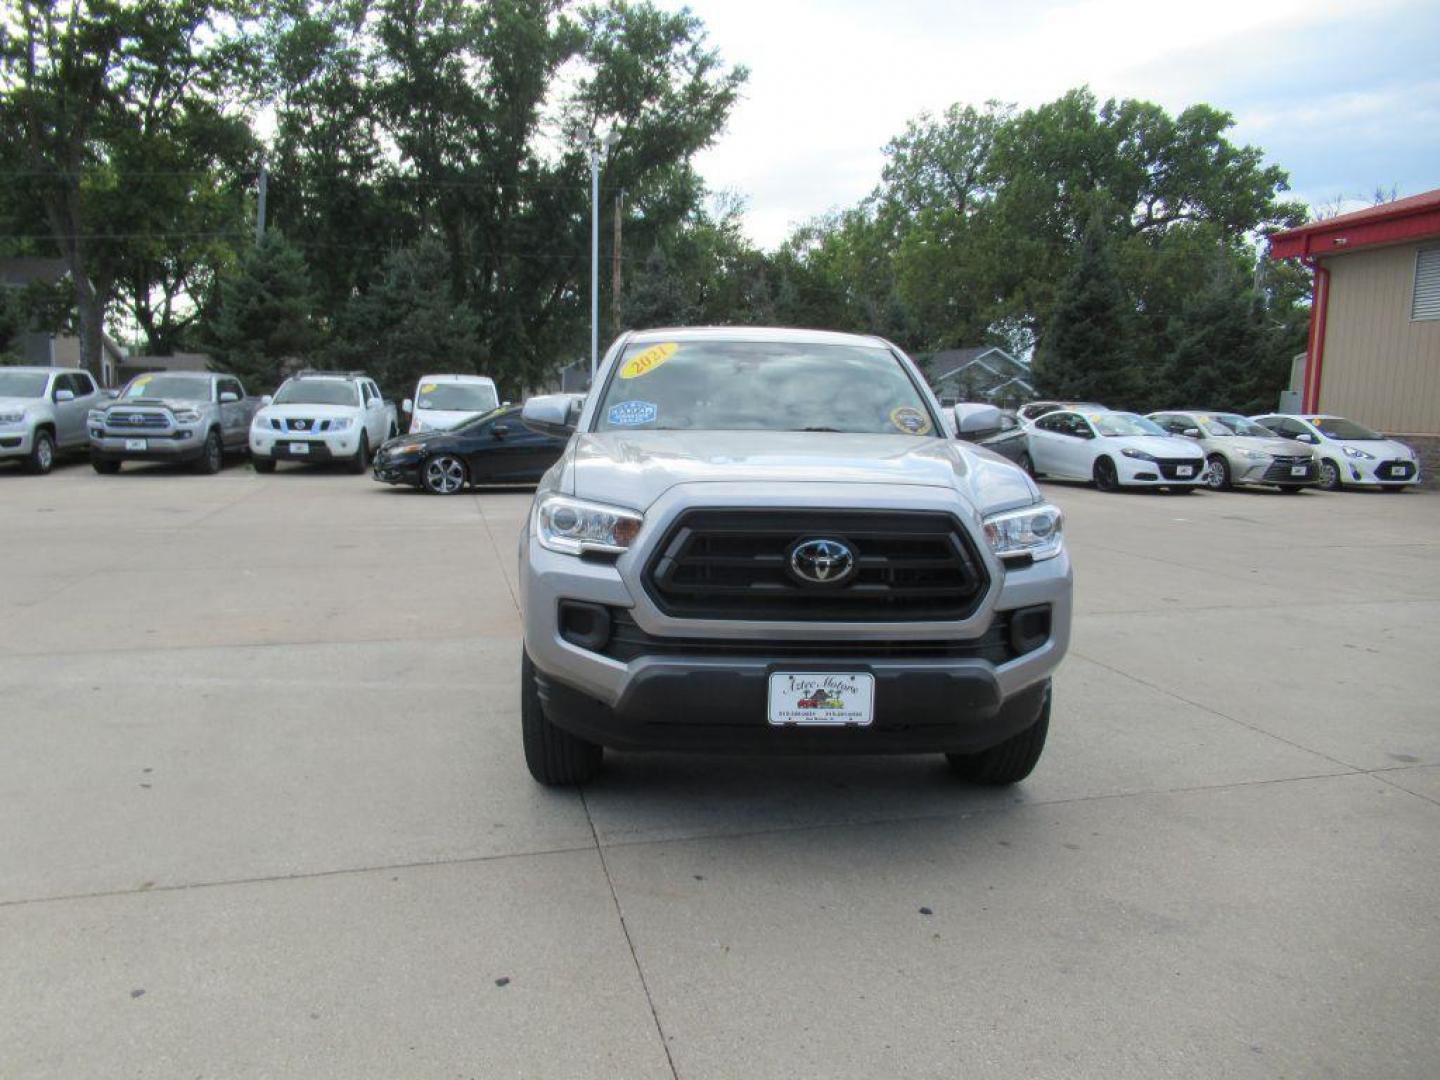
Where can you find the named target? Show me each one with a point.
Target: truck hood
(14, 404)
(634, 468)
(310, 411)
(151, 403)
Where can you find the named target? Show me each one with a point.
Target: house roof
(949, 362)
(23, 270)
(1414, 218)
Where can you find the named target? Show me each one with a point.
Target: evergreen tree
(410, 323)
(655, 296)
(1217, 357)
(263, 323)
(1086, 353)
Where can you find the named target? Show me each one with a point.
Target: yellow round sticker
(910, 420)
(647, 361)
(143, 379)
(428, 388)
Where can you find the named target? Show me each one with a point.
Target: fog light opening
(584, 625)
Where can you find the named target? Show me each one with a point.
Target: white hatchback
(443, 401)
(1113, 449)
(1349, 453)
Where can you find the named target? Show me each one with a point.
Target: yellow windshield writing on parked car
(647, 361)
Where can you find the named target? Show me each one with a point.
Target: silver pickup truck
(195, 417)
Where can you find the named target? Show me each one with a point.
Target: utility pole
(615, 305)
(260, 204)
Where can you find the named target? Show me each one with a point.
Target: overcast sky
(1345, 96)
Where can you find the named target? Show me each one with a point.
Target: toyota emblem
(822, 562)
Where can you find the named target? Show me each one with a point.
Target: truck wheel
(361, 461)
(105, 468)
(1012, 760)
(262, 464)
(212, 455)
(553, 756)
(42, 454)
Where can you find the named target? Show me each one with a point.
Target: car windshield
(763, 386)
(1223, 424)
(1119, 423)
(1337, 427)
(172, 387)
(23, 384)
(317, 392)
(475, 421)
(456, 397)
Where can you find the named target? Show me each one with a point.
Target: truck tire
(361, 461)
(1011, 761)
(262, 463)
(104, 467)
(212, 455)
(553, 756)
(42, 453)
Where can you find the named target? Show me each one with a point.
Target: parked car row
(1180, 450)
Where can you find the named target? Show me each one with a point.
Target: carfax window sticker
(645, 362)
(910, 420)
(632, 413)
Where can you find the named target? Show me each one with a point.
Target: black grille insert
(731, 564)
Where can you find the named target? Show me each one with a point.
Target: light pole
(598, 151)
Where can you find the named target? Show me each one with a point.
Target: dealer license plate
(821, 698)
(1297, 470)
(1185, 470)
(299, 448)
(135, 444)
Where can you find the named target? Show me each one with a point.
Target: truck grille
(136, 420)
(733, 564)
(299, 424)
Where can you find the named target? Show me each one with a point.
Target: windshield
(1120, 423)
(174, 387)
(317, 392)
(456, 397)
(29, 384)
(1223, 424)
(475, 421)
(1337, 427)
(763, 386)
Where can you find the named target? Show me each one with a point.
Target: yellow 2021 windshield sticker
(645, 362)
(428, 388)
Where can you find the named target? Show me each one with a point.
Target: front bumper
(281, 446)
(176, 444)
(1272, 474)
(717, 702)
(16, 441)
(1142, 473)
(404, 471)
(1379, 473)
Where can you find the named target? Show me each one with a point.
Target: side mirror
(974, 422)
(64, 395)
(374, 403)
(1306, 437)
(500, 430)
(266, 400)
(407, 405)
(113, 394)
(228, 397)
(1191, 433)
(551, 414)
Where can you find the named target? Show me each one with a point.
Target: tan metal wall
(1381, 368)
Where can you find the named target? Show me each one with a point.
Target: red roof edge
(1413, 218)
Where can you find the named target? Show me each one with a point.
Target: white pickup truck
(320, 416)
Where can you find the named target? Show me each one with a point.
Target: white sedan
(1349, 453)
(1114, 449)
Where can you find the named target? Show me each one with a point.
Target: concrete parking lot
(265, 815)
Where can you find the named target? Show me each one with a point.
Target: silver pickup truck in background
(195, 417)
(42, 413)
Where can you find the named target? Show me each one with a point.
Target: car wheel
(1028, 464)
(212, 456)
(105, 468)
(42, 454)
(1011, 761)
(1106, 478)
(444, 475)
(1330, 476)
(262, 464)
(552, 755)
(361, 461)
(1217, 476)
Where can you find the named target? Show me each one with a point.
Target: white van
(442, 401)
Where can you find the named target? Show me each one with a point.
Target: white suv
(321, 416)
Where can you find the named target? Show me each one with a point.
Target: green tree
(263, 321)
(409, 323)
(1085, 353)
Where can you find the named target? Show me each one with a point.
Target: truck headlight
(260, 420)
(95, 418)
(1356, 452)
(187, 416)
(340, 423)
(15, 417)
(573, 526)
(1035, 531)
